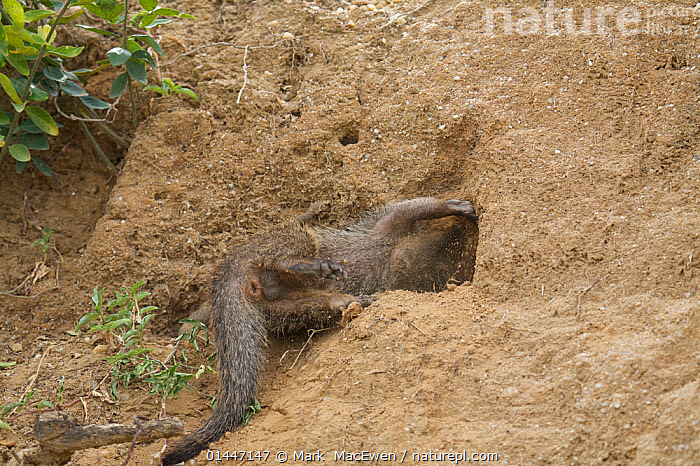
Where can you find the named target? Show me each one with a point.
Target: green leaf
(158, 89)
(5, 365)
(158, 22)
(20, 166)
(19, 108)
(37, 94)
(50, 87)
(94, 103)
(69, 18)
(9, 88)
(167, 12)
(106, 5)
(133, 46)
(28, 52)
(34, 141)
(54, 73)
(144, 55)
(29, 127)
(96, 10)
(118, 323)
(21, 33)
(186, 16)
(118, 86)
(38, 38)
(43, 120)
(137, 71)
(3, 41)
(118, 56)
(86, 319)
(42, 167)
(86, 71)
(72, 89)
(66, 51)
(36, 15)
(148, 5)
(97, 295)
(97, 30)
(5, 426)
(150, 41)
(18, 61)
(134, 288)
(44, 404)
(15, 11)
(20, 153)
(148, 19)
(43, 34)
(188, 93)
(4, 119)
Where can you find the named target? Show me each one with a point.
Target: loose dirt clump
(577, 341)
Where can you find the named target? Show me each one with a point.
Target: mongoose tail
(240, 340)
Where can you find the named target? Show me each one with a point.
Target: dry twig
(312, 332)
(245, 76)
(578, 307)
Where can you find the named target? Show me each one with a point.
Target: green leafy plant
(193, 335)
(44, 242)
(17, 407)
(122, 322)
(168, 88)
(168, 382)
(33, 69)
(253, 408)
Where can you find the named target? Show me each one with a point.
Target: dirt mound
(577, 340)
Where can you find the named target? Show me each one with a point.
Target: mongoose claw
(463, 209)
(320, 268)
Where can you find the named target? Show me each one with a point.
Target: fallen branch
(60, 436)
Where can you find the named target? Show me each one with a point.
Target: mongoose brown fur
(303, 276)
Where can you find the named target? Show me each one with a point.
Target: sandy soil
(578, 341)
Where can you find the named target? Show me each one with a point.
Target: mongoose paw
(355, 306)
(365, 300)
(463, 209)
(331, 269)
(320, 268)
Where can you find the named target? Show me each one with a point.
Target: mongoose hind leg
(400, 219)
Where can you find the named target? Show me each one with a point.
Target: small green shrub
(122, 322)
(33, 69)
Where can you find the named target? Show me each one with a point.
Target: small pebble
(287, 35)
(101, 348)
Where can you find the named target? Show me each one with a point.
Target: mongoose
(302, 276)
